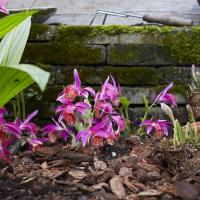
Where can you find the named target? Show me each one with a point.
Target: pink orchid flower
(160, 127)
(71, 92)
(165, 97)
(2, 6)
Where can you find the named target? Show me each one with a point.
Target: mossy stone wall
(142, 58)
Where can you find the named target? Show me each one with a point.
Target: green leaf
(13, 44)
(146, 104)
(13, 79)
(11, 21)
(181, 135)
(125, 102)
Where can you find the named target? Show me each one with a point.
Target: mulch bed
(131, 169)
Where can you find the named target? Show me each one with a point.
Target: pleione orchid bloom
(27, 125)
(102, 108)
(7, 127)
(109, 91)
(71, 92)
(102, 130)
(55, 130)
(160, 127)
(165, 97)
(2, 6)
(68, 111)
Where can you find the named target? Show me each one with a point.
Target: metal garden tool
(165, 20)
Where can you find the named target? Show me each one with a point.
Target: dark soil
(130, 170)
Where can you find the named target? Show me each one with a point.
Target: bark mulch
(130, 170)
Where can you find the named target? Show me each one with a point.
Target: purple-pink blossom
(160, 127)
(110, 92)
(2, 6)
(71, 92)
(165, 97)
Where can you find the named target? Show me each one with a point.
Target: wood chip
(117, 187)
(150, 193)
(99, 165)
(77, 174)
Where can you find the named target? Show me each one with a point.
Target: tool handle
(171, 21)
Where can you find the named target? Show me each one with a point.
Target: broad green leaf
(13, 44)
(13, 79)
(124, 101)
(146, 104)
(11, 21)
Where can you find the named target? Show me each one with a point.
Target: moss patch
(183, 45)
(38, 30)
(64, 53)
(91, 31)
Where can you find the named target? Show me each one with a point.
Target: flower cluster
(159, 127)
(88, 116)
(17, 130)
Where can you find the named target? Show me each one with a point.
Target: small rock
(99, 165)
(153, 176)
(77, 174)
(124, 171)
(113, 154)
(117, 187)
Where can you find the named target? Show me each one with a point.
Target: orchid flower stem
(13, 102)
(18, 106)
(141, 129)
(23, 106)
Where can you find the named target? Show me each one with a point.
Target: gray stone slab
(137, 55)
(80, 12)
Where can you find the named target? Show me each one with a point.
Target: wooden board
(81, 11)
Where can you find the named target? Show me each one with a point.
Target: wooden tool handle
(171, 21)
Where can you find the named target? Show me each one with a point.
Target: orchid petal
(77, 80)
(33, 114)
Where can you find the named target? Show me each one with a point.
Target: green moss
(38, 29)
(123, 54)
(183, 45)
(90, 31)
(63, 53)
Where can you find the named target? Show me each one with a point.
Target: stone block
(97, 75)
(41, 33)
(64, 54)
(137, 55)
